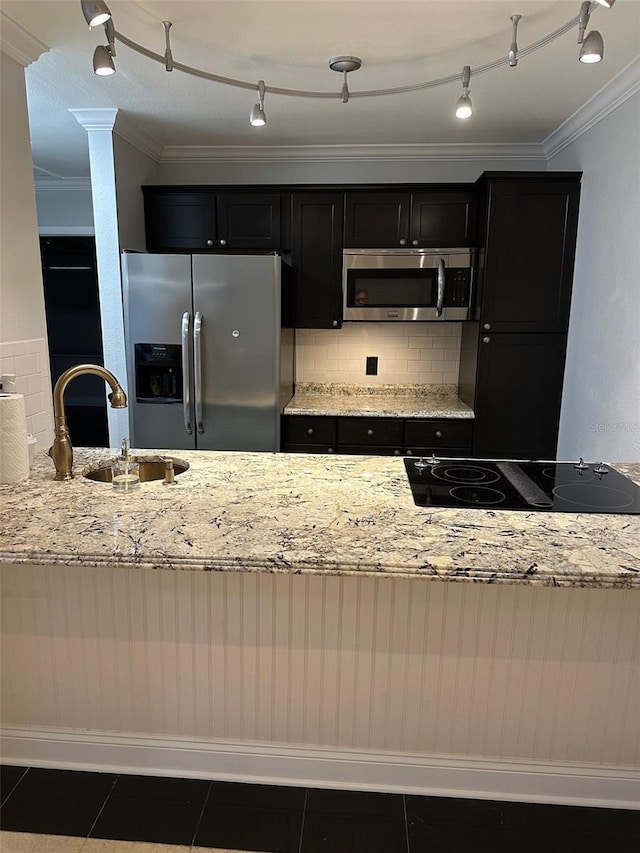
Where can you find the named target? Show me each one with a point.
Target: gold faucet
(61, 450)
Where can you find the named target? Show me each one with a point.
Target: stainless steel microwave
(400, 285)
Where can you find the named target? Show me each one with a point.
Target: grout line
(106, 799)
(204, 805)
(406, 823)
(304, 814)
(14, 787)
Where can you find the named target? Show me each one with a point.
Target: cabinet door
(441, 220)
(518, 395)
(530, 246)
(249, 221)
(317, 260)
(179, 220)
(377, 220)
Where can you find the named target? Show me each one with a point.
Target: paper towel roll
(14, 452)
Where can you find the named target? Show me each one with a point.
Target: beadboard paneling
(384, 665)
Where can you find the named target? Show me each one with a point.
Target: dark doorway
(70, 278)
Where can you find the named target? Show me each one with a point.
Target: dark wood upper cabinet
(441, 220)
(179, 220)
(414, 220)
(198, 219)
(529, 242)
(316, 260)
(377, 220)
(249, 221)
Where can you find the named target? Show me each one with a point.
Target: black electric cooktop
(531, 486)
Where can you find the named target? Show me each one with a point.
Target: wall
(64, 207)
(408, 353)
(600, 416)
(133, 169)
(356, 168)
(23, 330)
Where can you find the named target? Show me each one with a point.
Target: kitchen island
(296, 618)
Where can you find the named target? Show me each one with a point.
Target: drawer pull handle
(438, 434)
(209, 242)
(310, 431)
(369, 432)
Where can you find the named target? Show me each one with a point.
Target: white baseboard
(261, 763)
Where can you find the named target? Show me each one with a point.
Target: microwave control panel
(458, 289)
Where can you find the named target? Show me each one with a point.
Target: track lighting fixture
(103, 61)
(168, 56)
(592, 47)
(343, 65)
(513, 50)
(464, 107)
(258, 117)
(95, 12)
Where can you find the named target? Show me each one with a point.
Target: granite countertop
(303, 513)
(382, 401)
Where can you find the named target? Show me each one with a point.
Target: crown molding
(17, 43)
(346, 153)
(51, 184)
(132, 133)
(609, 98)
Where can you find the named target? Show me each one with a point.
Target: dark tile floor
(297, 820)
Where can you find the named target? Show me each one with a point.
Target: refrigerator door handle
(186, 373)
(197, 368)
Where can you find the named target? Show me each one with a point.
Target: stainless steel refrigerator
(209, 365)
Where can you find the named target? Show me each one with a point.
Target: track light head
(606, 3)
(464, 107)
(103, 61)
(258, 116)
(95, 12)
(592, 49)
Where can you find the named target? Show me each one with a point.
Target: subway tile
(8, 364)
(26, 364)
(10, 348)
(33, 404)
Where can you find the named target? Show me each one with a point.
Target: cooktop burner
(531, 486)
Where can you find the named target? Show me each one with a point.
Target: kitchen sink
(150, 469)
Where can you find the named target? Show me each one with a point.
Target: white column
(99, 124)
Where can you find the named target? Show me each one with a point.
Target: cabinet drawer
(441, 433)
(369, 432)
(303, 429)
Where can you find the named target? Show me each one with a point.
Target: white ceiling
(288, 44)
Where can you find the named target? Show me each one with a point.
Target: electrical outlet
(372, 365)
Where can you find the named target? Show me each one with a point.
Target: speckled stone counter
(340, 515)
(384, 401)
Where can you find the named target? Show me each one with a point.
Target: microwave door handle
(441, 278)
(197, 368)
(186, 373)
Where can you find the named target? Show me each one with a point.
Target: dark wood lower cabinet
(376, 436)
(518, 395)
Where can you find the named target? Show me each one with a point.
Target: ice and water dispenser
(158, 370)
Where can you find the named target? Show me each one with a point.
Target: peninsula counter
(295, 619)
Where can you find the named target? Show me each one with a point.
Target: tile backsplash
(408, 353)
(29, 362)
